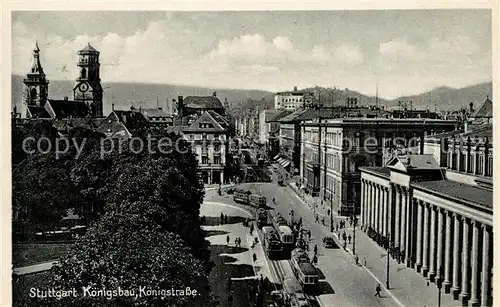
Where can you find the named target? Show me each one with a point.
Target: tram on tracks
(272, 244)
(257, 201)
(304, 271)
(241, 196)
(262, 218)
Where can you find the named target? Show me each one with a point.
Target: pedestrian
(221, 218)
(227, 239)
(365, 261)
(315, 249)
(251, 229)
(315, 260)
(309, 234)
(378, 289)
(317, 218)
(336, 227)
(225, 219)
(357, 260)
(236, 242)
(344, 236)
(323, 221)
(349, 238)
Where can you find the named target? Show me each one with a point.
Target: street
(347, 284)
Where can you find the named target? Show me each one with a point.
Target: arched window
(33, 94)
(84, 73)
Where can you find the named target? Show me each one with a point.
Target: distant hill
(447, 98)
(123, 95)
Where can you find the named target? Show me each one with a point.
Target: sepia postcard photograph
(297, 156)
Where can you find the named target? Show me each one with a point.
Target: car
(328, 242)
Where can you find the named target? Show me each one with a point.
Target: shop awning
(286, 164)
(277, 156)
(280, 160)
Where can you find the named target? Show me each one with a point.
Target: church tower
(36, 86)
(88, 87)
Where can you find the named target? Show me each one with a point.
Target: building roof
(474, 131)
(420, 162)
(88, 48)
(381, 171)
(121, 123)
(38, 112)
(277, 116)
(204, 123)
(203, 102)
(222, 120)
(458, 190)
(67, 108)
(292, 117)
(154, 112)
(486, 110)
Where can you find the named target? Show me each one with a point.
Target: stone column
(486, 277)
(465, 294)
(457, 253)
(390, 211)
(432, 242)
(439, 251)
(404, 207)
(372, 204)
(474, 293)
(397, 216)
(386, 212)
(448, 253)
(425, 246)
(409, 228)
(377, 207)
(419, 235)
(363, 212)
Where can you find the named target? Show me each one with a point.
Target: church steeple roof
(36, 67)
(88, 48)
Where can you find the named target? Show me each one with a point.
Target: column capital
(457, 216)
(486, 227)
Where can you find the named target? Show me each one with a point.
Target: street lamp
(354, 222)
(439, 283)
(388, 244)
(331, 211)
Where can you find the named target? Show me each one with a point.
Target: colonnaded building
(436, 209)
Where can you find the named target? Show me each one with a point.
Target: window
(204, 160)
(84, 73)
(217, 160)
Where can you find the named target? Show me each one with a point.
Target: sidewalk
(407, 287)
(36, 268)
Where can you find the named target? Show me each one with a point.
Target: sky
(403, 51)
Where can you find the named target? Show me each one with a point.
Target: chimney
(140, 109)
(65, 98)
(214, 94)
(471, 107)
(112, 106)
(180, 106)
(295, 88)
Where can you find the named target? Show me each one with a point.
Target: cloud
(171, 51)
(398, 48)
(283, 43)
(349, 54)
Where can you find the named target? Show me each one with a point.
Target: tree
(42, 193)
(127, 251)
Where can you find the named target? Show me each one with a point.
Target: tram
(304, 271)
(241, 196)
(272, 243)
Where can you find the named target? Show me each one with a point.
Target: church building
(87, 92)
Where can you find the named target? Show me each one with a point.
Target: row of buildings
(202, 120)
(436, 209)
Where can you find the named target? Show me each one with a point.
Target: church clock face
(83, 87)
